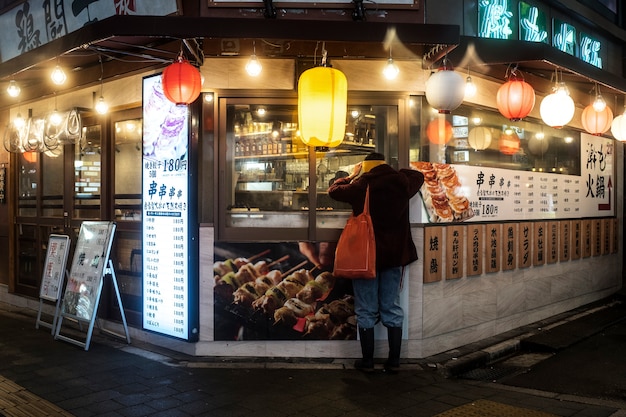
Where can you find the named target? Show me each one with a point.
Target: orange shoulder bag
(355, 256)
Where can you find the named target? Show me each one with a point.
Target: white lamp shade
(618, 127)
(445, 90)
(557, 109)
(479, 138)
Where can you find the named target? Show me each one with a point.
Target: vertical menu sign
(166, 204)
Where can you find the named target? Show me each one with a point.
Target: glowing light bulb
(58, 75)
(253, 67)
(391, 70)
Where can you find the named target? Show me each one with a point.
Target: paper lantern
(557, 108)
(596, 122)
(618, 127)
(181, 82)
(439, 131)
(322, 106)
(445, 90)
(509, 143)
(515, 98)
(479, 138)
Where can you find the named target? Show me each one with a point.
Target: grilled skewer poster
(271, 291)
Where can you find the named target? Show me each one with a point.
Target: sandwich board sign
(90, 266)
(53, 277)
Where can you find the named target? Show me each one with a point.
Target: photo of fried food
(442, 193)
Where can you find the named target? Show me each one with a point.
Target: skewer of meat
(221, 268)
(276, 296)
(317, 289)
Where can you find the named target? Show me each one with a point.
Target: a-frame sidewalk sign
(90, 266)
(53, 277)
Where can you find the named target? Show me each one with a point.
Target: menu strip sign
(169, 285)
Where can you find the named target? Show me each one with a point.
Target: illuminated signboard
(533, 24)
(564, 37)
(495, 19)
(169, 281)
(500, 19)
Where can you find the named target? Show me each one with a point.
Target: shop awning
(128, 44)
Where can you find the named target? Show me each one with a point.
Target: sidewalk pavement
(43, 377)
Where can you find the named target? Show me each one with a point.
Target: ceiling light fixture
(470, 87)
(13, 89)
(253, 67)
(391, 70)
(598, 103)
(58, 75)
(101, 106)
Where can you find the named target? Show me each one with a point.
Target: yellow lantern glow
(322, 106)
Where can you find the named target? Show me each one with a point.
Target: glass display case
(273, 180)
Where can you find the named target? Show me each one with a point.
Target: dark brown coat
(390, 191)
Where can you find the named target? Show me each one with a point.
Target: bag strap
(366, 204)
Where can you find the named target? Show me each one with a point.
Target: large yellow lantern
(322, 106)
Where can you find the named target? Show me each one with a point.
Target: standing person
(379, 298)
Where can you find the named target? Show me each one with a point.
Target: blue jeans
(379, 298)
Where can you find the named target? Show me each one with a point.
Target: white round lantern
(445, 90)
(479, 138)
(618, 127)
(557, 109)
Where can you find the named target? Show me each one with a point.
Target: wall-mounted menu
(169, 288)
(496, 194)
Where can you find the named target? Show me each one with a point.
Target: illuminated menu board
(166, 215)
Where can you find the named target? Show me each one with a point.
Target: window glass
(269, 167)
(128, 142)
(479, 137)
(368, 129)
(87, 170)
(52, 179)
(28, 178)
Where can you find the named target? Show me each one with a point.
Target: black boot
(394, 335)
(367, 349)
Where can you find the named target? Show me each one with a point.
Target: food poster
(565, 241)
(510, 235)
(54, 267)
(453, 193)
(272, 291)
(433, 254)
(552, 252)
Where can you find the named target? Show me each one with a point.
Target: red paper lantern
(509, 142)
(181, 82)
(439, 131)
(515, 98)
(596, 122)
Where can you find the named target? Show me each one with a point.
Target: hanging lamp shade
(509, 142)
(557, 108)
(439, 131)
(322, 106)
(596, 122)
(181, 82)
(479, 138)
(618, 127)
(445, 90)
(515, 98)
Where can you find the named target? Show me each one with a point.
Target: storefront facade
(490, 260)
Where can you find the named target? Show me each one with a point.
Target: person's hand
(355, 171)
(321, 254)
